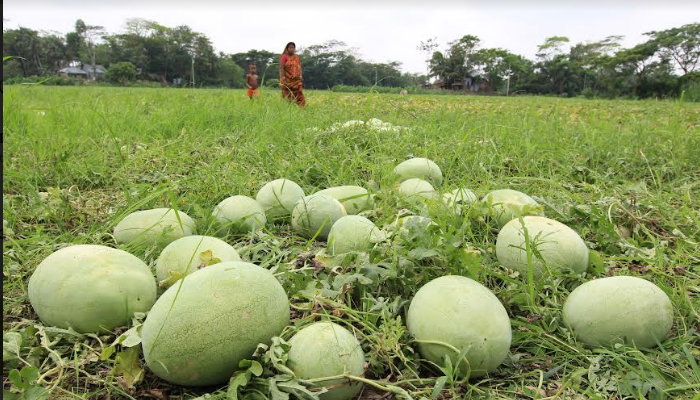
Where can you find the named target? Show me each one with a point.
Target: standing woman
(290, 75)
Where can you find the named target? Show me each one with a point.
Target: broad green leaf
(7, 395)
(16, 379)
(238, 380)
(11, 345)
(107, 353)
(130, 338)
(343, 280)
(36, 393)
(255, 368)
(29, 374)
(275, 393)
(25, 382)
(422, 253)
(127, 365)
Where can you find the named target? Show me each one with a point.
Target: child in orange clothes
(251, 82)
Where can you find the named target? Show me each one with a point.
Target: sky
(380, 30)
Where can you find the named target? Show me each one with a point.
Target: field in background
(624, 174)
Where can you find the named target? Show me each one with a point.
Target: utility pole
(509, 72)
(94, 61)
(192, 72)
(375, 77)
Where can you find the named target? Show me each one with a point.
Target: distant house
(468, 84)
(91, 73)
(73, 72)
(471, 84)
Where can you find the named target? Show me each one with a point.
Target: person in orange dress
(251, 82)
(291, 81)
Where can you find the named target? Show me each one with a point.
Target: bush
(588, 93)
(11, 68)
(121, 72)
(229, 74)
(689, 86)
(691, 92)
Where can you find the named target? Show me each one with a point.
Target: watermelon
(555, 247)
(452, 313)
(277, 198)
(186, 255)
(326, 349)
(421, 168)
(619, 309)
(91, 288)
(202, 327)
(316, 214)
(158, 226)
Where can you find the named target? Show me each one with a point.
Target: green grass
(624, 174)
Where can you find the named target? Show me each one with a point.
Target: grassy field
(624, 174)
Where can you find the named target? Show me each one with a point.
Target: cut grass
(625, 175)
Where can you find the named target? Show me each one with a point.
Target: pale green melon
(240, 213)
(91, 288)
(316, 213)
(325, 349)
(414, 221)
(454, 313)
(619, 309)
(555, 247)
(186, 255)
(158, 226)
(200, 329)
(415, 188)
(412, 225)
(278, 198)
(459, 199)
(507, 204)
(355, 199)
(421, 168)
(353, 233)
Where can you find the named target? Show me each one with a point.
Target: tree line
(149, 51)
(665, 65)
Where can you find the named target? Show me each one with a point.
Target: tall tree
(25, 44)
(228, 73)
(636, 62)
(429, 46)
(496, 65)
(53, 50)
(551, 47)
(586, 59)
(682, 45)
(89, 35)
(457, 63)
